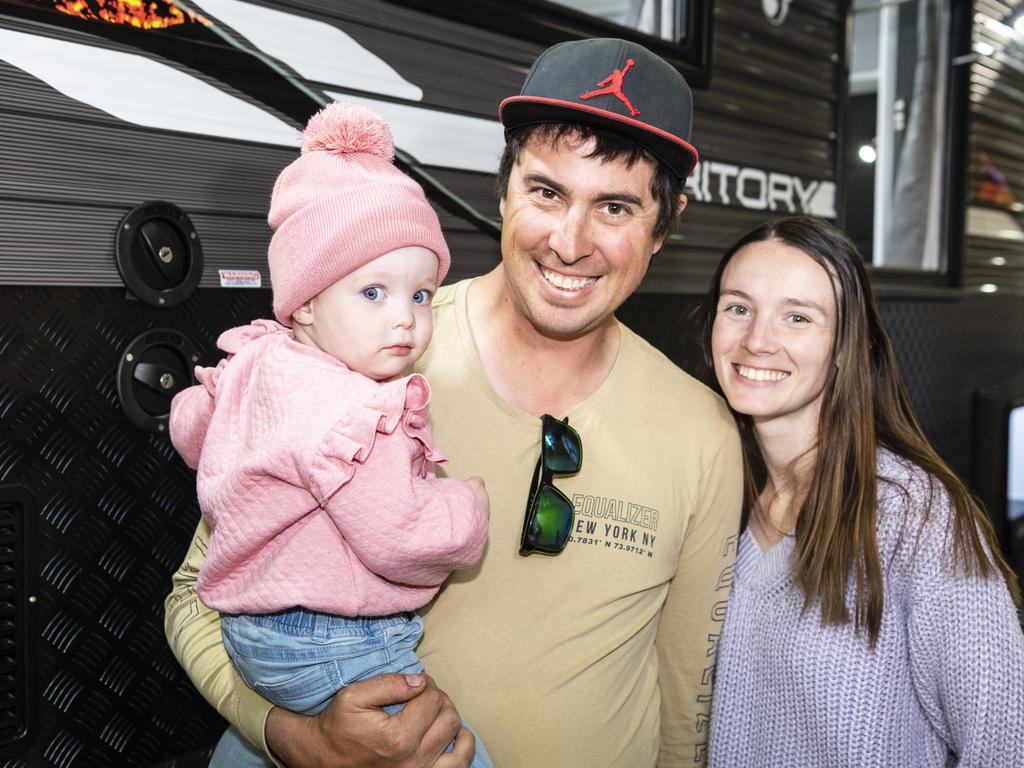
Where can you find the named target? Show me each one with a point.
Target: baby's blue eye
(421, 297)
(372, 293)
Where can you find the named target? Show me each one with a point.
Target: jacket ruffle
(231, 342)
(233, 339)
(350, 440)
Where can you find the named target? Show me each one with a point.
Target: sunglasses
(549, 513)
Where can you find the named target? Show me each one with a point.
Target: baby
(313, 453)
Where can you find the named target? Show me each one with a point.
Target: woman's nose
(760, 336)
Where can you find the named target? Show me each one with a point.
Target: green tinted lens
(561, 447)
(549, 526)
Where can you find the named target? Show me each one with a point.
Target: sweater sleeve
(966, 654)
(407, 527)
(191, 411)
(193, 632)
(687, 638)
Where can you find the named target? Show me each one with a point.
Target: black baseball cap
(613, 84)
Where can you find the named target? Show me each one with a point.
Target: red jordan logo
(613, 85)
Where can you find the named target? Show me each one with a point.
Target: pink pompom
(342, 128)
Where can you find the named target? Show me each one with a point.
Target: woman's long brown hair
(865, 406)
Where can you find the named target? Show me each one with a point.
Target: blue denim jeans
(299, 659)
(233, 751)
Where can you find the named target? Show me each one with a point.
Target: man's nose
(571, 239)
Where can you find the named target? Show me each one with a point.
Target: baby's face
(377, 320)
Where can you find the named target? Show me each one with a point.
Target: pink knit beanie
(342, 204)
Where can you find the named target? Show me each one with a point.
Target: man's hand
(354, 731)
(483, 501)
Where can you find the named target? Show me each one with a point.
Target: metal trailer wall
(110, 508)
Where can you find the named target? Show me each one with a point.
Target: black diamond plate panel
(949, 349)
(116, 509)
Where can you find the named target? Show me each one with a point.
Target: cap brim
(517, 111)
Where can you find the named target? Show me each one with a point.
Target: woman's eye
(421, 297)
(372, 293)
(799, 319)
(737, 309)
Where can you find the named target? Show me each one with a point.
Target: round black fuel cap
(158, 254)
(156, 366)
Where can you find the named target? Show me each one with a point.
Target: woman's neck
(789, 460)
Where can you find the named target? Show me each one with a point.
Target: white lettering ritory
(759, 190)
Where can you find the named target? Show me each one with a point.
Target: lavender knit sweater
(943, 687)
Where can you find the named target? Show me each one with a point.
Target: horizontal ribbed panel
(63, 205)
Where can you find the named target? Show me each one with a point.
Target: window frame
(904, 281)
(546, 23)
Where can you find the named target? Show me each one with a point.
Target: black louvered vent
(16, 705)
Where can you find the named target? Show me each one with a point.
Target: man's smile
(567, 282)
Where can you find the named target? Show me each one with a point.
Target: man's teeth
(760, 374)
(565, 282)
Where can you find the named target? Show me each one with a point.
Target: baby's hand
(483, 501)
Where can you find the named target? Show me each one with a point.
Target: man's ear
(303, 314)
(680, 207)
(501, 206)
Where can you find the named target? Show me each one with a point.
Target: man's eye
(372, 293)
(616, 209)
(421, 297)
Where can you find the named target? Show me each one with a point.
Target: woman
(872, 618)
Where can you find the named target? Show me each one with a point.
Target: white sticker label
(240, 278)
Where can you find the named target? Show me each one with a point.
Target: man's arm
(691, 619)
(193, 632)
(353, 731)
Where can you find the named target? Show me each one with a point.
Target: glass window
(895, 133)
(660, 18)
(677, 30)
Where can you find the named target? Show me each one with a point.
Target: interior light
(866, 153)
(998, 261)
(1019, 25)
(984, 49)
(988, 288)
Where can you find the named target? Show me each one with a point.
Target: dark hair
(666, 187)
(865, 405)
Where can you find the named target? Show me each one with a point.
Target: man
(601, 655)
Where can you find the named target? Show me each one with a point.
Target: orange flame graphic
(132, 13)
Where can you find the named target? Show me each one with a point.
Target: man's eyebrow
(618, 197)
(544, 181)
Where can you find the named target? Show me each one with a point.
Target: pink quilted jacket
(317, 484)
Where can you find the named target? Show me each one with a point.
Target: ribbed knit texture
(342, 204)
(944, 685)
